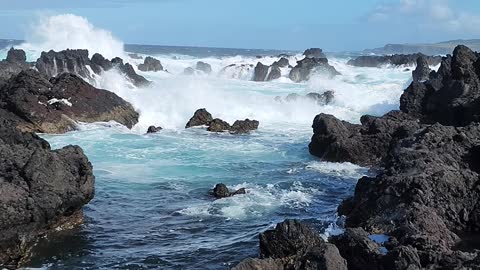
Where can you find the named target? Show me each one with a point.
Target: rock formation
(77, 62)
(395, 60)
(316, 62)
(150, 64)
(15, 62)
(153, 129)
(202, 117)
(55, 105)
(205, 67)
(221, 191)
(422, 71)
(41, 191)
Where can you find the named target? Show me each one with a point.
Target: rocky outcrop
(314, 53)
(41, 191)
(422, 71)
(282, 62)
(425, 197)
(294, 245)
(267, 73)
(202, 117)
(310, 65)
(55, 105)
(150, 64)
(394, 60)
(153, 129)
(205, 67)
(322, 99)
(77, 62)
(13, 64)
(221, 191)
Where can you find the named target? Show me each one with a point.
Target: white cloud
(439, 15)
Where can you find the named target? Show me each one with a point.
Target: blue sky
(333, 25)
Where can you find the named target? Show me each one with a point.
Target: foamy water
(152, 207)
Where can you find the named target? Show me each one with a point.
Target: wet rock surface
(55, 105)
(154, 129)
(202, 117)
(54, 63)
(312, 63)
(221, 191)
(41, 191)
(150, 64)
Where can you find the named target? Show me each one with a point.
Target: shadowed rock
(244, 126)
(314, 53)
(54, 106)
(261, 72)
(422, 71)
(306, 67)
(201, 117)
(40, 191)
(205, 67)
(150, 64)
(221, 191)
(14, 64)
(153, 129)
(395, 60)
(218, 125)
(16, 56)
(189, 71)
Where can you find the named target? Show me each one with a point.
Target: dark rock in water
(425, 197)
(221, 191)
(422, 72)
(54, 106)
(189, 71)
(16, 56)
(294, 245)
(395, 60)
(201, 117)
(244, 126)
(258, 56)
(150, 64)
(205, 67)
(321, 99)
(14, 64)
(406, 70)
(274, 73)
(76, 61)
(218, 125)
(135, 56)
(41, 190)
(261, 72)
(314, 53)
(153, 129)
(283, 62)
(73, 61)
(306, 67)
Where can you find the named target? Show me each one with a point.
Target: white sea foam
(68, 31)
(258, 200)
(345, 169)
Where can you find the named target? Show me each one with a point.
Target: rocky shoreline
(424, 200)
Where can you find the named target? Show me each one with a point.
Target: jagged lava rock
(218, 125)
(150, 64)
(201, 117)
(40, 191)
(307, 66)
(244, 126)
(13, 64)
(153, 129)
(422, 71)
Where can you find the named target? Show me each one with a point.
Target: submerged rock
(221, 191)
(41, 191)
(150, 64)
(201, 117)
(55, 105)
(189, 71)
(205, 67)
(324, 98)
(154, 129)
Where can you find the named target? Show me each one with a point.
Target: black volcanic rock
(40, 190)
(261, 72)
(153, 129)
(324, 98)
(221, 191)
(13, 64)
(314, 53)
(395, 60)
(422, 71)
(201, 117)
(54, 106)
(150, 64)
(307, 66)
(244, 126)
(294, 245)
(282, 62)
(16, 56)
(77, 62)
(218, 125)
(205, 67)
(274, 73)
